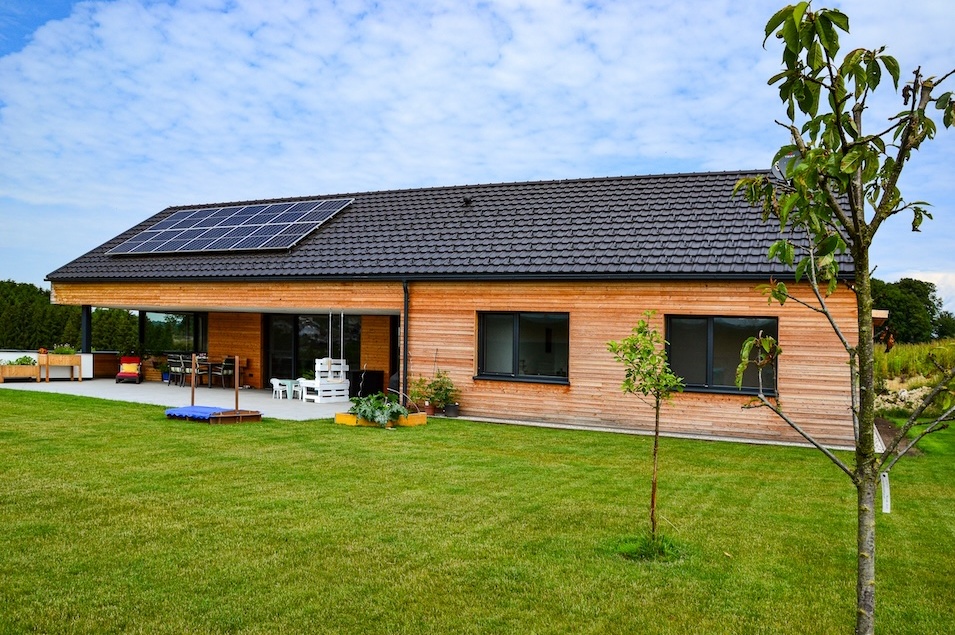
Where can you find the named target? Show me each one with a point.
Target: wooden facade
(442, 323)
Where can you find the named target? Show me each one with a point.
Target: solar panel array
(233, 228)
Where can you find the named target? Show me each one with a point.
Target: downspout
(404, 345)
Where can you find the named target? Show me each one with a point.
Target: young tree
(647, 373)
(839, 188)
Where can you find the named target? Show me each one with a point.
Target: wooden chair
(175, 369)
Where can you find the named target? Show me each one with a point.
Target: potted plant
(62, 355)
(442, 390)
(21, 367)
(378, 409)
(420, 394)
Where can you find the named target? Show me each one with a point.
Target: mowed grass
(115, 519)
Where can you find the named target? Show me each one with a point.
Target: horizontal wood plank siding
(239, 334)
(813, 374)
(262, 297)
(813, 381)
(376, 344)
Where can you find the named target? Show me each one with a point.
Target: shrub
(26, 360)
(378, 408)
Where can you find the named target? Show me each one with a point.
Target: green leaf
(918, 215)
(799, 11)
(873, 73)
(778, 18)
(802, 268)
(851, 161)
(892, 66)
(814, 57)
(828, 245)
(838, 18)
(831, 43)
(849, 125)
(778, 76)
(791, 35)
(824, 30)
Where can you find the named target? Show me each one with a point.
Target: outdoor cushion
(128, 369)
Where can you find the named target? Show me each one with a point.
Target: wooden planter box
(55, 359)
(11, 371)
(414, 419)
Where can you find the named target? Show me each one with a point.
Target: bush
(442, 390)
(378, 408)
(26, 360)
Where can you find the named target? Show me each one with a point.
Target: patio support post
(404, 346)
(142, 333)
(86, 329)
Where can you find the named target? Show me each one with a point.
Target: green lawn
(115, 519)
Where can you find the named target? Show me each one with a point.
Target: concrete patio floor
(160, 394)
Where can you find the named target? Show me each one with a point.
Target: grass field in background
(114, 519)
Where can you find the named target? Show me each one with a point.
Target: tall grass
(912, 363)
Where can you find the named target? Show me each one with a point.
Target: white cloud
(129, 106)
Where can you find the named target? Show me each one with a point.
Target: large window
(296, 341)
(704, 351)
(524, 346)
(176, 332)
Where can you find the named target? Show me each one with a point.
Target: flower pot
(428, 408)
(452, 410)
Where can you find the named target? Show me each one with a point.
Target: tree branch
(808, 437)
(936, 426)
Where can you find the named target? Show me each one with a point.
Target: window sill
(560, 381)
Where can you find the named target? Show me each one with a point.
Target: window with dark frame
(524, 346)
(705, 351)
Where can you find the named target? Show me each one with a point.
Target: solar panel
(233, 228)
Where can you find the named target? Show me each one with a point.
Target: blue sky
(113, 110)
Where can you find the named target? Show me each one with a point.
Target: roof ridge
(438, 188)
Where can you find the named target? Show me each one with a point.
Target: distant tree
(835, 194)
(115, 330)
(647, 373)
(28, 321)
(913, 305)
(946, 325)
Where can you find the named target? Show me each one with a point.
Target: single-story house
(514, 289)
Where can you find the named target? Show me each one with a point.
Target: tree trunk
(653, 483)
(865, 577)
(866, 475)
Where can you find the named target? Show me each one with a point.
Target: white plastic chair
(298, 388)
(279, 389)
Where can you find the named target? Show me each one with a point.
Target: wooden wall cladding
(813, 375)
(240, 334)
(376, 344)
(261, 297)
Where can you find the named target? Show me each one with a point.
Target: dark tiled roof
(670, 226)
